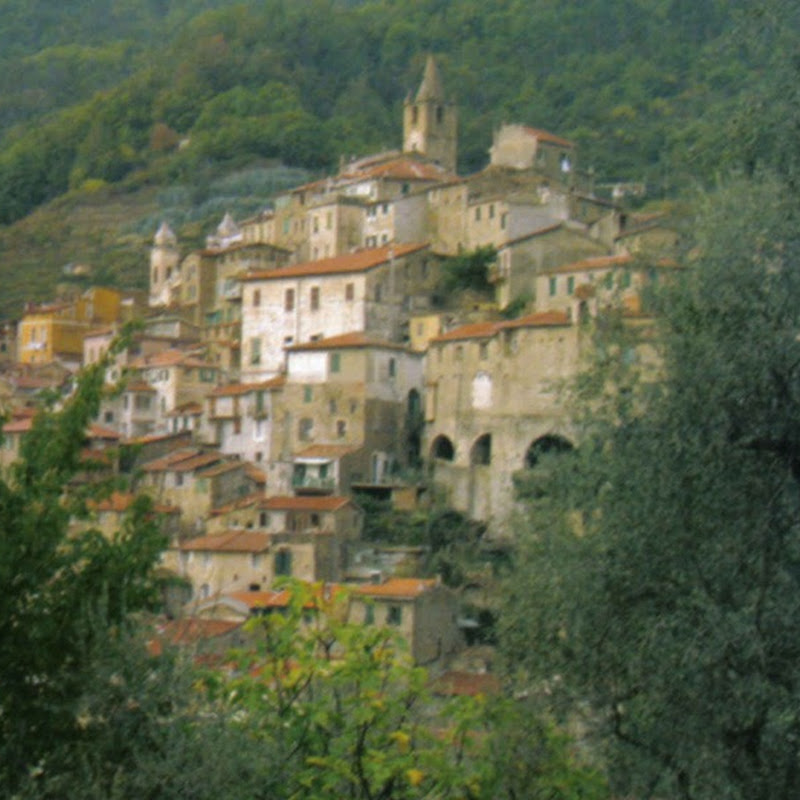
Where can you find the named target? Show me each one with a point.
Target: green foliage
(668, 599)
(66, 597)
(649, 89)
(469, 271)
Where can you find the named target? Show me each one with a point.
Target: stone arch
(549, 444)
(442, 448)
(481, 452)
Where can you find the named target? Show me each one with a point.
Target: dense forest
(650, 89)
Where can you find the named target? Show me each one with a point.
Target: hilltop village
(316, 354)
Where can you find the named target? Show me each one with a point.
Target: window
(308, 394)
(305, 429)
(369, 614)
(316, 224)
(108, 416)
(336, 362)
(341, 428)
(625, 281)
(491, 211)
(503, 221)
(255, 560)
(333, 406)
(178, 479)
(349, 291)
(484, 351)
(288, 300)
(478, 214)
(378, 293)
(553, 286)
(385, 209)
(256, 297)
(608, 281)
(392, 368)
(283, 562)
(314, 520)
(439, 115)
(329, 220)
(314, 299)
(570, 284)
(263, 519)
(459, 354)
(255, 350)
(394, 615)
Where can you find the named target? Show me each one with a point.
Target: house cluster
(308, 353)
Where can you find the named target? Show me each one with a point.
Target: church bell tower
(430, 121)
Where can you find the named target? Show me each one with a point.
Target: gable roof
(233, 389)
(486, 330)
(360, 261)
(546, 136)
(397, 588)
(354, 339)
(305, 503)
(234, 541)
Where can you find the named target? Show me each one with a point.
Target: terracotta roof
(191, 407)
(193, 629)
(305, 503)
(99, 432)
(473, 330)
(122, 501)
(541, 319)
(220, 469)
(546, 136)
(458, 683)
(355, 339)
(397, 588)
(485, 330)
(233, 389)
(169, 460)
(402, 169)
(326, 451)
(264, 599)
(589, 264)
(233, 541)
(360, 261)
(158, 437)
(235, 505)
(18, 425)
(255, 474)
(197, 462)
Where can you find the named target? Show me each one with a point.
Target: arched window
(442, 448)
(481, 453)
(551, 444)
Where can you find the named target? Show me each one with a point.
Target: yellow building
(55, 331)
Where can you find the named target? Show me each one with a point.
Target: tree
(65, 598)
(669, 598)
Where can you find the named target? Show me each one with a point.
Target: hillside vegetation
(156, 94)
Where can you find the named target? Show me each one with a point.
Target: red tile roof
(120, 502)
(326, 451)
(234, 541)
(220, 469)
(99, 432)
(485, 330)
(546, 136)
(398, 588)
(18, 425)
(235, 505)
(401, 169)
(360, 261)
(193, 629)
(233, 389)
(305, 503)
(346, 340)
(138, 386)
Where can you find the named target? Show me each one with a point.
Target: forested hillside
(101, 90)
(174, 96)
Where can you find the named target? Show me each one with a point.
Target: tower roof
(431, 86)
(165, 236)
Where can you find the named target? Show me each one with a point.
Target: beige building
(238, 419)
(346, 414)
(493, 403)
(372, 290)
(521, 147)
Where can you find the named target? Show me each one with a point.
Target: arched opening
(551, 444)
(442, 449)
(481, 453)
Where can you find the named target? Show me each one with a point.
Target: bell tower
(430, 121)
